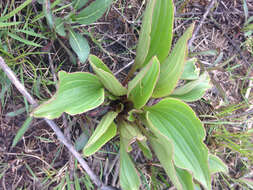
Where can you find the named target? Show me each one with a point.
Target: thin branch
(123, 68)
(55, 128)
(210, 6)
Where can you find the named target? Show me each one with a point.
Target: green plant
(169, 128)
(80, 14)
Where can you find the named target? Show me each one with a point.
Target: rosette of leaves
(169, 129)
(82, 14)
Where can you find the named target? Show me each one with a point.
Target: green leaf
(134, 82)
(79, 3)
(22, 131)
(93, 12)
(216, 165)
(130, 134)
(59, 27)
(80, 45)
(142, 91)
(162, 30)
(129, 178)
(248, 27)
(15, 11)
(194, 90)
(68, 180)
(156, 32)
(105, 131)
(6, 24)
(77, 184)
(77, 93)
(177, 121)
(16, 112)
(145, 149)
(99, 63)
(247, 181)
(191, 72)
(27, 42)
(48, 13)
(30, 32)
(144, 39)
(106, 77)
(172, 67)
(163, 149)
(185, 179)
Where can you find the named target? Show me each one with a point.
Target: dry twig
(10, 74)
(196, 31)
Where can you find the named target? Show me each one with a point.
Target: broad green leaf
(216, 165)
(27, 42)
(185, 179)
(48, 13)
(99, 63)
(188, 87)
(145, 149)
(6, 24)
(144, 39)
(77, 93)
(93, 12)
(80, 45)
(163, 149)
(134, 82)
(129, 178)
(162, 30)
(193, 90)
(143, 90)
(107, 78)
(177, 121)
(105, 131)
(59, 27)
(15, 11)
(172, 67)
(22, 131)
(79, 3)
(191, 72)
(156, 32)
(130, 134)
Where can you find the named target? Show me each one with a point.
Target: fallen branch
(10, 74)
